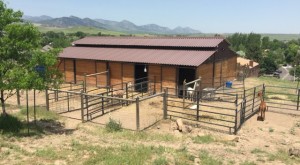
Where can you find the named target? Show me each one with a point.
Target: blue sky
(208, 16)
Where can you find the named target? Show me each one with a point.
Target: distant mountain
(122, 26)
(37, 19)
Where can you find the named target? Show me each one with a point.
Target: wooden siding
(155, 73)
(85, 67)
(128, 72)
(205, 71)
(115, 73)
(69, 70)
(169, 78)
(101, 79)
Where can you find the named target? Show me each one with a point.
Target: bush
(10, 124)
(113, 125)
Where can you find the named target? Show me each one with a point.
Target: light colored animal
(118, 93)
(191, 91)
(262, 107)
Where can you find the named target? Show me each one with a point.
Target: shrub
(113, 125)
(10, 124)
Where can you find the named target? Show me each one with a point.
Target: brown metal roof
(150, 56)
(153, 41)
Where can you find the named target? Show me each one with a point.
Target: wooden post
(87, 107)
(68, 97)
(126, 90)
(183, 93)
(108, 78)
(84, 83)
(137, 114)
(198, 106)
(154, 85)
(254, 92)
(263, 92)
(47, 100)
(18, 97)
(236, 109)
(298, 99)
(165, 103)
(82, 106)
(102, 105)
(34, 108)
(27, 108)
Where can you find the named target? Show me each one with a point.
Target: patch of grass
(293, 131)
(297, 124)
(48, 153)
(248, 163)
(229, 143)
(207, 159)
(10, 124)
(113, 126)
(41, 113)
(258, 151)
(160, 161)
(284, 157)
(271, 129)
(13, 147)
(182, 156)
(203, 139)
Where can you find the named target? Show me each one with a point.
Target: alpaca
(191, 91)
(262, 107)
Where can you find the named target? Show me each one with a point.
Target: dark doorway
(188, 74)
(141, 77)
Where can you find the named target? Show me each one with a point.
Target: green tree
(265, 43)
(253, 47)
(20, 55)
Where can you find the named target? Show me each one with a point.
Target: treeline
(269, 53)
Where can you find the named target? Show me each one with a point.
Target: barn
(167, 61)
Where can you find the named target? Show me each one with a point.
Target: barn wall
(155, 73)
(169, 78)
(115, 73)
(69, 70)
(205, 71)
(85, 67)
(101, 79)
(128, 72)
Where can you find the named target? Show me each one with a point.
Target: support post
(236, 112)
(87, 107)
(27, 108)
(126, 90)
(34, 107)
(183, 94)
(263, 92)
(84, 83)
(82, 106)
(18, 97)
(154, 85)
(165, 102)
(68, 97)
(198, 106)
(47, 100)
(298, 99)
(254, 92)
(102, 105)
(137, 114)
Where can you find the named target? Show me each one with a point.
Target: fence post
(165, 103)
(126, 93)
(56, 95)
(82, 106)
(154, 85)
(298, 99)
(197, 97)
(263, 92)
(236, 110)
(137, 114)
(84, 83)
(102, 105)
(68, 97)
(18, 98)
(87, 107)
(254, 92)
(47, 100)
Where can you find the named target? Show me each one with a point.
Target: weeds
(207, 159)
(284, 157)
(160, 161)
(271, 129)
(113, 126)
(10, 124)
(248, 163)
(203, 139)
(293, 131)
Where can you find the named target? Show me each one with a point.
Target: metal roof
(150, 56)
(210, 42)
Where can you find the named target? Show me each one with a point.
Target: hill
(122, 26)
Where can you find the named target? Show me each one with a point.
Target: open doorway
(141, 77)
(188, 74)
